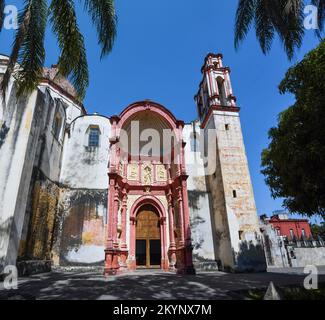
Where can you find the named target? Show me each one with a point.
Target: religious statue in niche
(147, 175)
(133, 172)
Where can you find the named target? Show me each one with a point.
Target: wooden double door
(148, 241)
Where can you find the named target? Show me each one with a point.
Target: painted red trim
(147, 199)
(141, 106)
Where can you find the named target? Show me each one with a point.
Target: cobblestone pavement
(145, 285)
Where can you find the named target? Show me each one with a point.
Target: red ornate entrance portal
(148, 214)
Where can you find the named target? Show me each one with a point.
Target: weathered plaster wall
(36, 243)
(83, 166)
(37, 233)
(80, 232)
(26, 144)
(17, 156)
(201, 214)
(49, 153)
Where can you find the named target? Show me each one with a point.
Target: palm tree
(284, 17)
(28, 47)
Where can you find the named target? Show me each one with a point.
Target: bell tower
(215, 89)
(228, 179)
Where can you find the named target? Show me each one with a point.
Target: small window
(227, 127)
(57, 123)
(278, 232)
(93, 137)
(292, 235)
(234, 193)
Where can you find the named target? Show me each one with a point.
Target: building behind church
(289, 242)
(141, 189)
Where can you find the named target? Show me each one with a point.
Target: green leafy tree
(282, 17)
(28, 47)
(318, 230)
(294, 162)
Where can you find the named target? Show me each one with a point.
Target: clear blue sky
(158, 54)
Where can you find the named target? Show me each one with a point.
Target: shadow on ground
(144, 285)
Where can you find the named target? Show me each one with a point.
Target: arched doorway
(148, 238)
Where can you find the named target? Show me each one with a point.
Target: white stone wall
(16, 164)
(309, 256)
(275, 252)
(86, 167)
(199, 204)
(27, 143)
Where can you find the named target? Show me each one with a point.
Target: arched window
(222, 91)
(93, 137)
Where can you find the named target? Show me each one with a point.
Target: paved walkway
(144, 285)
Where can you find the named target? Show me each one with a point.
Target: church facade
(141, 189)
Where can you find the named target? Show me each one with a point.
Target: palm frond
(32, 53)
(288, 18)
(292, 6)
(284, 17)
(244, 18)
(73, 61)
(263, 25)
(103, 16)
(2, 14)
(23, 22)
